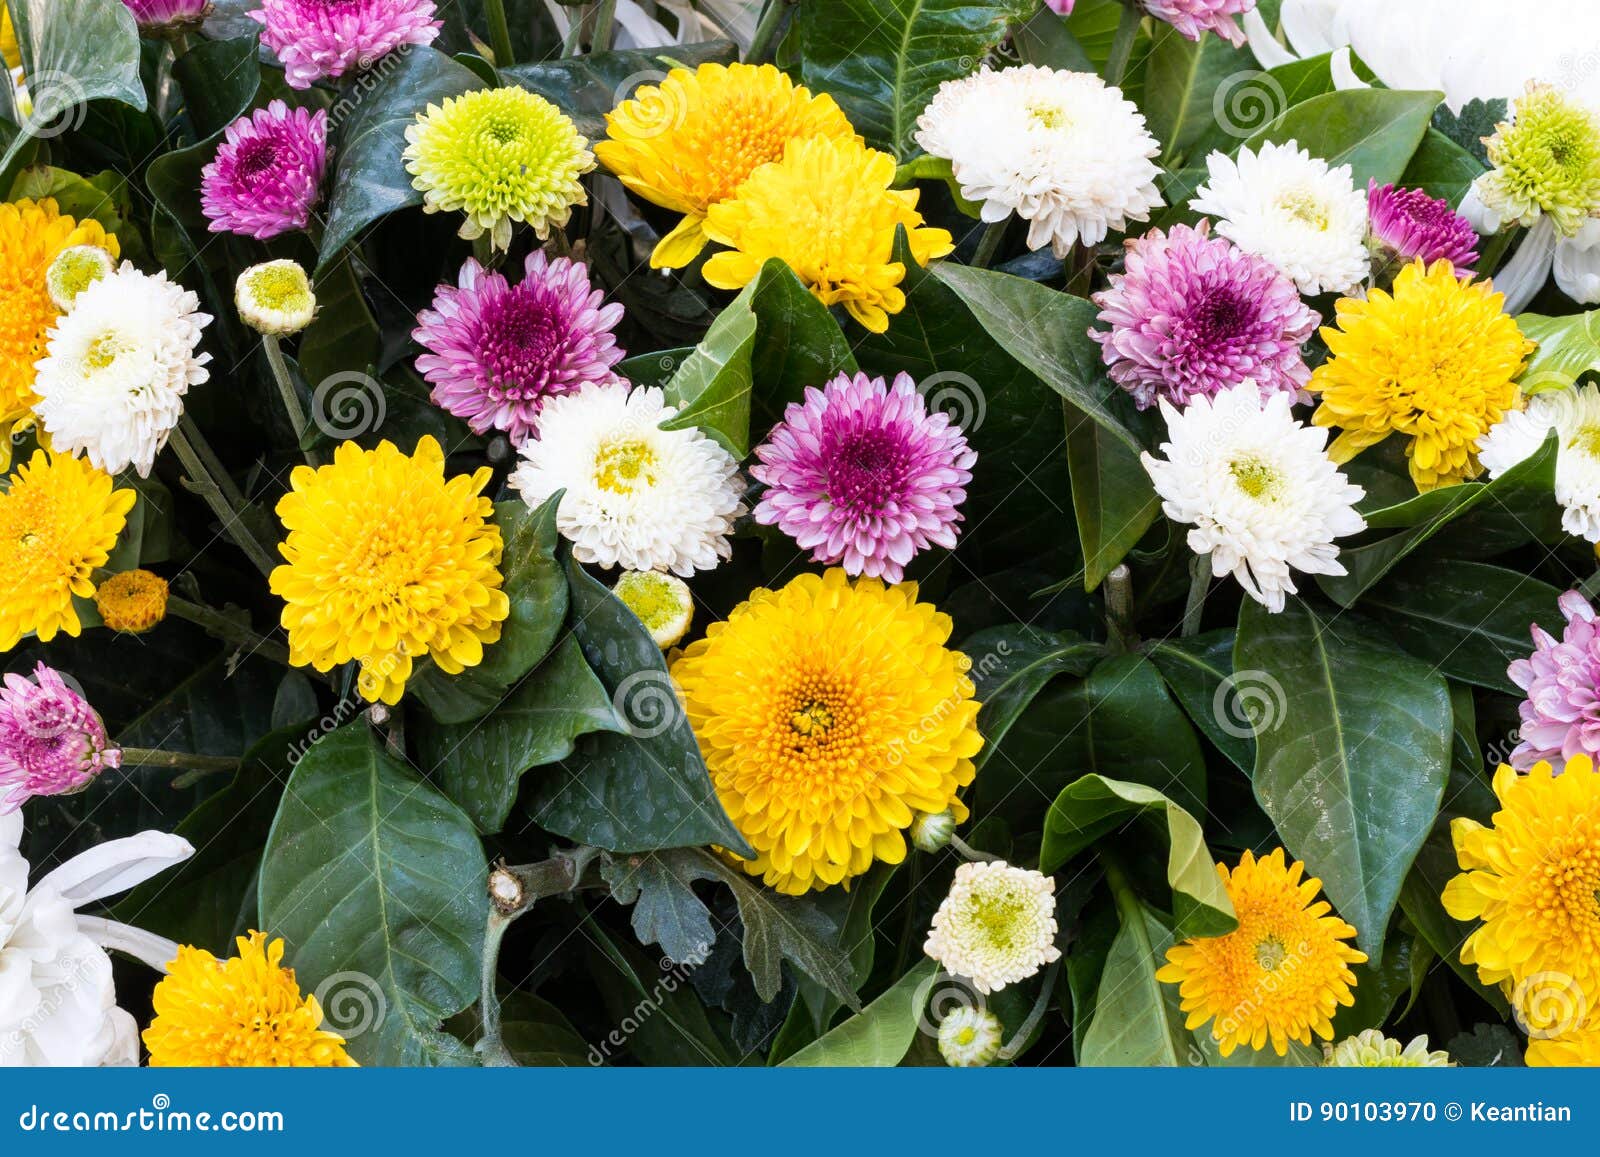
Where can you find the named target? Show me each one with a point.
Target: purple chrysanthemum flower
(267, 175)
(168, 15)
(1561, 714)
(1413, 224)
(1060, 7)
(51, 740)
(320, 39)
(860, 473)
(1195, 314)
(498, 352)
(1192, 18)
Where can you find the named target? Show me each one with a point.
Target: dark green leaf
(879, 1035)
(344, 337)
(1351, 753)
(1011, 665)
(1112, 496)
(374, 878)
(1373, 130)
(1441, 168)
(1182, 80)
(1136, 1018)
(1199, 671)
(587, 87)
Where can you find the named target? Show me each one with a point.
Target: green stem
(1199, 587)
(1489, 260)
(286, 391)
(1122, 44)
(1019, 1039)
(220, 626)
(574, 38)
(499, 33)
(970, 852)
(134, 757)
(1122, 893)
(765, 40)
(989, 243)
(605, 17)
(1119, 610)
(218, 491)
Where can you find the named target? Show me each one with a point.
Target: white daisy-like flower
(1291, 208)
(1258, 487)
(116, 369)
(996, 927)
(275, 298)
(1063, 150)
(969, 1037)
(58, 1002)
(1574, 414)
(637, 496)
(662, 603)
(1370, 1049)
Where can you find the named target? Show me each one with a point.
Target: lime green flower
(1546, 160)
(1370, 1049)
(498, 155)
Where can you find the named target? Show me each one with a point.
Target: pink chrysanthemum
(164, 15)
(1192, 18)
(1060, 7)
(1413, 224)
(498, 352)
(322, 39)
(1195, 314)
(268, 172)
(861, 474)
(51, 740)
(1561, 714)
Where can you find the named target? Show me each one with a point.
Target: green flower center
(812, 719)
(104, 351)
(1303, 206)
(1587, 441)
(1050, 116)
(280, 288)
(625, 465)
(1256, 478)
(651, 597)
(1270, 954)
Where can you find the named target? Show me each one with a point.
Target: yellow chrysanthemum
(829, 714)
(31, 235)
(388, 561)
(132, 601)
(691, 141)
(1435, 361)
(1575, 1049)
(58, 522)
(499, 155)
(1533, 878)
(244, 1012)
(1280, 975)
(827, 209)
(9, 48)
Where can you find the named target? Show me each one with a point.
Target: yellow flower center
(104, 351)
(624, 465)
(1256, 478)
(280, 287)
(1050, 116)
(1587, 441)
(1303, 206)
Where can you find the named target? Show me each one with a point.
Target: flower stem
(151, 757)
(1119, 610)
(605, 16)
(970, 852)
(1122, 43)
(1019, 1039)
(989, 243)
(220, 626)
(1199, 587)
(213, 484)
(499, 33)
(765, 40)
(1495, 250)
(286, 391)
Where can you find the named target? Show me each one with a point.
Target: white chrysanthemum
(275, 298)
(1575, 416)
(662, 602)
(969, 1037)
(996, 927)
(1258, 487)
(637, 496)
(1370, 1049)
(1063, 150)
(1291, 208)
(58, 1003)
(117, 367)
(75, 269)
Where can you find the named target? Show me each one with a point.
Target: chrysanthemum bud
(969, 1038)
(51, 741)
(1370, 1049)
(661, 601)
(75, 269)
(132, 601)
(931, 831)
(275, 298)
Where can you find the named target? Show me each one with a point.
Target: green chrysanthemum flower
(1546, 160)
(1370, 1049)
(498, 155)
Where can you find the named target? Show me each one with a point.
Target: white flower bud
(969, 1037)
(275, 298)
(931, 831)
(75, 269)
(661, 601)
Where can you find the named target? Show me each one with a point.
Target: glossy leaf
(1373, 130)
(1568, 347)
(1136, 1017)
(1011, 665)
(879, 1035)
(1112, 496)
(1199, 672)
(1181, 81)
(589, 86)
(1352, 751)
